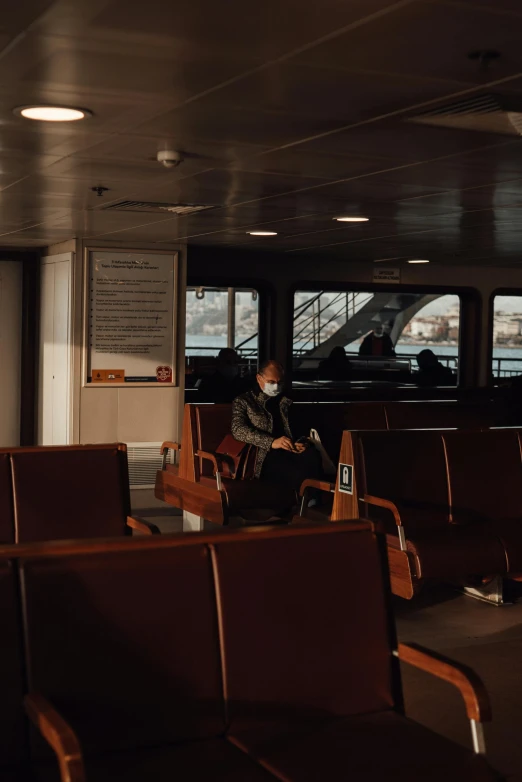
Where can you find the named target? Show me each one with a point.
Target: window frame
(470, 309)
(491, 323)
(265, 306)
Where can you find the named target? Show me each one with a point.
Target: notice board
(131, 319)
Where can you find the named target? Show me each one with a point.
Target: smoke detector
(169, 158)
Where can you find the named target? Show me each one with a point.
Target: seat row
(204, 484)
(176, 657)
(450, 502)
(77, 491)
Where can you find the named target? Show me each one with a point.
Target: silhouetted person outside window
(225, 383)
(336, 366)
(432, 372)
(377, 343)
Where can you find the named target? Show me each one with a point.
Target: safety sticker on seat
(346, 478)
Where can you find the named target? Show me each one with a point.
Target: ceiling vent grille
(144, 462)
(485, 113)
(181, 210)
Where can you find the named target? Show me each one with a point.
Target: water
(511, 357)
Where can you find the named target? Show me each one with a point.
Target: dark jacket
(219, 389)
(366, 348)
(253, 423)
(438, 375)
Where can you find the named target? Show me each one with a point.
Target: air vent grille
(144, 462)
(485, 113)
(181, 210)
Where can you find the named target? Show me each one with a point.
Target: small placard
(108, 376)
(346, 478)
(385, 274)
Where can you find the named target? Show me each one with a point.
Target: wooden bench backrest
(408, 468)
(437, 415)
(205, 426)
(159, 640)
(294, 638)
(12, 742)
(485, 474)
(126, 645)
(70, 492)
(435, 477)
(6, 500)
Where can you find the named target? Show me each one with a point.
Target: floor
(489, 640)
(483, 636)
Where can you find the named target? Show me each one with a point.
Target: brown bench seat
(449, 501)
(13, 746)
(62, 492)
(230, 674)
(205, 426)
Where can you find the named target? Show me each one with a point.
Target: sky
(508, 303)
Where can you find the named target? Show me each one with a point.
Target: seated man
(377, 343)
(432, 372)
(260, 417)
(225, 383)
(336, 366)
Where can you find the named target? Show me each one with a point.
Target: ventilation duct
(181, 210)
(144, 461)
(485, 113)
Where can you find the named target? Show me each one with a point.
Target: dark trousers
(291, 469)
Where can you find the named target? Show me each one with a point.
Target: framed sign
(130, 323)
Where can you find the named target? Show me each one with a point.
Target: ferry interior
(233, 234)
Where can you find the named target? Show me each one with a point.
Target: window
(222, 317)
(410, 322)
(507, 336)
(434, 325)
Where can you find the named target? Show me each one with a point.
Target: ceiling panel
(267, 29)
(287, 115)
(428, 40)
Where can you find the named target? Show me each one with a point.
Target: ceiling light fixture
(419, 260)
(262, 233)
(52, 113)
(352, 219)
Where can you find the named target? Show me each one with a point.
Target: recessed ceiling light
(419, 260)
(52, 113)
(352, 219)
(262, 233)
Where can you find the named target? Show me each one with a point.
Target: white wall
(10, 351)
(55, 351)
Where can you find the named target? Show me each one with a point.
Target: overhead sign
(386, 274)
(131, 322)
(346, 478)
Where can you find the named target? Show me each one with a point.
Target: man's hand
(285, 443)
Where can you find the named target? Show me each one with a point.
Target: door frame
(30, 260)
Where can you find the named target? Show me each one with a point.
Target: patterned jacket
(252, 423)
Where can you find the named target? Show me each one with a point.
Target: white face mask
(272, 389)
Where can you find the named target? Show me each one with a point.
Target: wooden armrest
(146, 527)
(164, 450)
(471, 688)
(212, 457)
(313, 483)
(59, 735)
(169, 446)
(388, 504)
